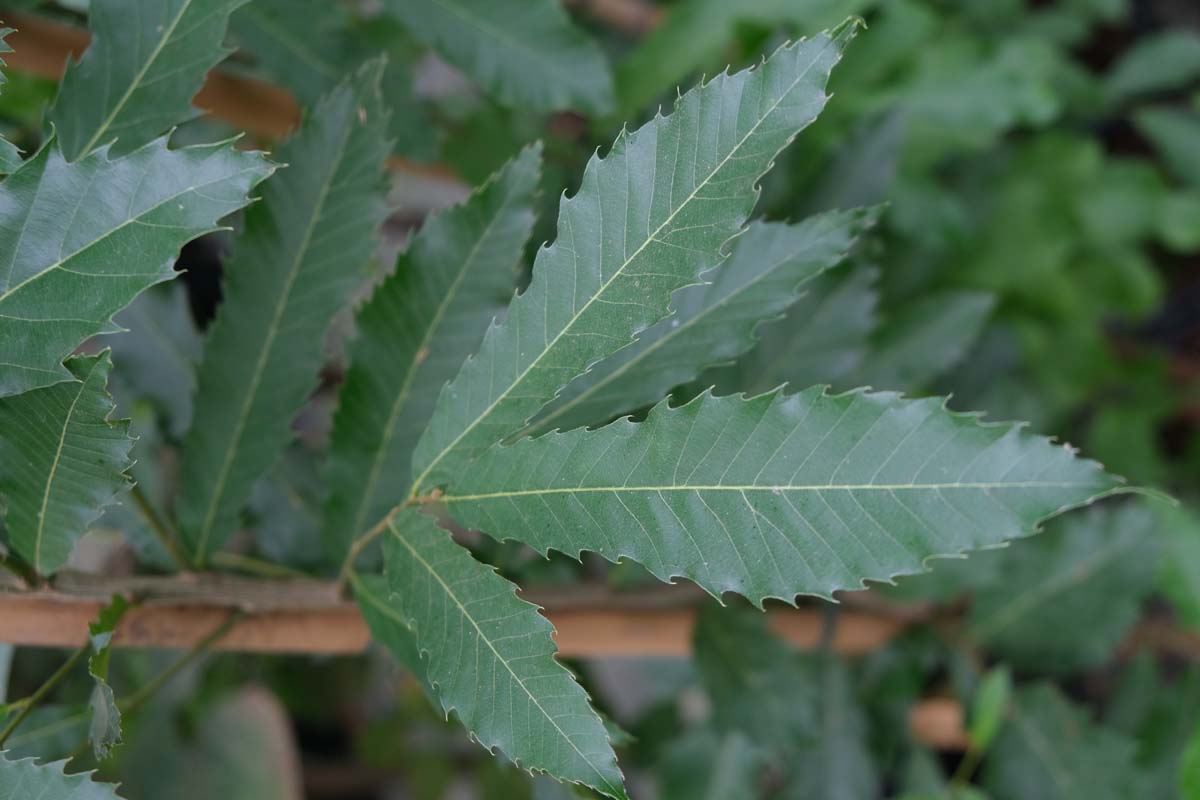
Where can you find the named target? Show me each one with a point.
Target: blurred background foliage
(1039, 258)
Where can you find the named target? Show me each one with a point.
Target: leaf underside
(648, 219)
(413, 334)
(10, 156)
(491, 658)
(777, 495)
(64, 273)
(137, 78)
(25, 778)
(63, 461)
(294, 266)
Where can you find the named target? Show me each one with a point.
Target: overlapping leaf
(293, 267)
(648, 219)
(26, 778)
(64, 272)
(10, 157)
(491, 660)
(526, 53)
(105, 727)
(413, 335)
(137, 78)
(771, 264)
(63, 461)
(777, 495)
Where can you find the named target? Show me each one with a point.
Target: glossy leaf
(648, 219)
(63, 282)
(295, 264)
(491, 659)
(25, 778)
(770, 267)
(525, 53)
(777, 495)
(63, 461)
(137, 78)
(10, 157)
(413, 335)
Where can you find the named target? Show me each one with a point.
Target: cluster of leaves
(658, 391)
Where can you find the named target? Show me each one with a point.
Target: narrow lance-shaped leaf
(10, 157)
(648, 219)
(525, 53)
(26, 778)
(491, 659)
(388, 626)
(137, 78)
(105, 729)
(777, 495)
(79, 241)
(63, 461)
(293, 267)
(769, 268)
(413, 335)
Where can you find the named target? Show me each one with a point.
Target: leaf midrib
(619, 271)
(268, 344)
(137, 80)
(484, 638)
(775, 489)
(406, 387)
(39, 536)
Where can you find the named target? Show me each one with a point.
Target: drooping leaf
(1164, 61)
(413, 335)
(802, 709)
(647, 220)
(156, 356)
(777, 495)
(770, 266)
(1049, 750)
(26, 778)
(1066, 600)
(63, 461)
(64, 271)
(105, 729)
(823, 338)
(293, 267)
(525, 53)
(708, 766)
(137, 78)
(10, 157)
(491, 660)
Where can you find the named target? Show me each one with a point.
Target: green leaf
(648, 219)
(989, 707)
(1161, 62)
(63, 283)
(10, 156)
(25, 778)
(777, 495)
(708, 766)
(64, 461)
(1067, 599)
(802, 709)
(1189, 768)
(1176, 135)
(413, 335)
(1049, 750)
(525, 53)
(491, 659)
(769, 268)
(824, 338)
(388, 626)
(924, 339)
(1180, 576)
(295, 264)
(156, 357)
(137, 78)
(105, 729)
